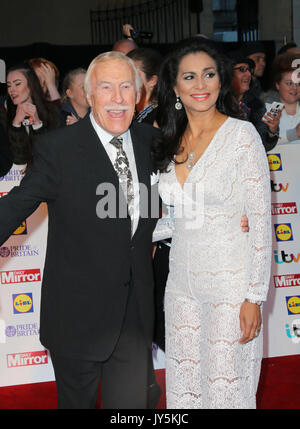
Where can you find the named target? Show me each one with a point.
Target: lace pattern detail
(214, 266)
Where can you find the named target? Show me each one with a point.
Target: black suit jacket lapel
(92, 151)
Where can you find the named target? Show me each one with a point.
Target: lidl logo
(293, 304)
(283, 232)
(22, 303)
(275, 163)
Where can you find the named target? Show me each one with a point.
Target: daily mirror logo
(2, 71)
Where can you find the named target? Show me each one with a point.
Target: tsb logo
(275, 163)
(283, 232)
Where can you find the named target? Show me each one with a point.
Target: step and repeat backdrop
(282, 309)
(22, 357)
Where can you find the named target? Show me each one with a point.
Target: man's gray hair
(113, 55)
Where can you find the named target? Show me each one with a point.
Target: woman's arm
(255, 180)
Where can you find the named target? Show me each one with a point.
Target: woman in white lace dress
(213, 170)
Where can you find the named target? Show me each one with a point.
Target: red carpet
(279, 388)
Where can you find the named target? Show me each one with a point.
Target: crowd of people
(198, 116)
(50, 102)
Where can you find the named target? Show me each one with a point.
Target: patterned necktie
(123, 171)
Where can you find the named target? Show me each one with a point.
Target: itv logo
(285, 257)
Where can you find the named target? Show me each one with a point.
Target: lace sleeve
(165, 225)
(255, 179)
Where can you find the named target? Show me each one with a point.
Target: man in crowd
(256, 52)
(97, 291)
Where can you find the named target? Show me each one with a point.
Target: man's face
(260, 63)
(113, 95)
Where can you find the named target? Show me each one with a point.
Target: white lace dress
(214, 266)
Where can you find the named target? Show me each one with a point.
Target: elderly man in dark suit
(97, 290)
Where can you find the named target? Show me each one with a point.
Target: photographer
(131, 39)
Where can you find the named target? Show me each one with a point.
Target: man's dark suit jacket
(89, 261)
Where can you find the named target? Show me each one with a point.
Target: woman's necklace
(190, 161)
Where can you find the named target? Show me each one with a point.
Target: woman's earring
(178, 104)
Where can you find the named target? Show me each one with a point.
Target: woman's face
(76, 91)
(241, 78)
(17, 87)
(289, 91)
(148, 84)
(198, 84)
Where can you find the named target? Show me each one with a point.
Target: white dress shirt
(111, 151)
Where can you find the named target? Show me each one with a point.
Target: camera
(142, 34)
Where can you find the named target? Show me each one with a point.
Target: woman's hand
(47, 74)
(244, 224)
(71, 119)
(272, 121)
(20, 115)
(30, 110)
(250, 321)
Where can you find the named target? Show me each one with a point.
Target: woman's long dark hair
(151, 61)
(38, 98)
(173, 122)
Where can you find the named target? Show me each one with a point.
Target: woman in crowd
(148, 63)
(27, 113)
(75, 105)
(287, 86)
(218, 275)
(48, 75)
(252, 106)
